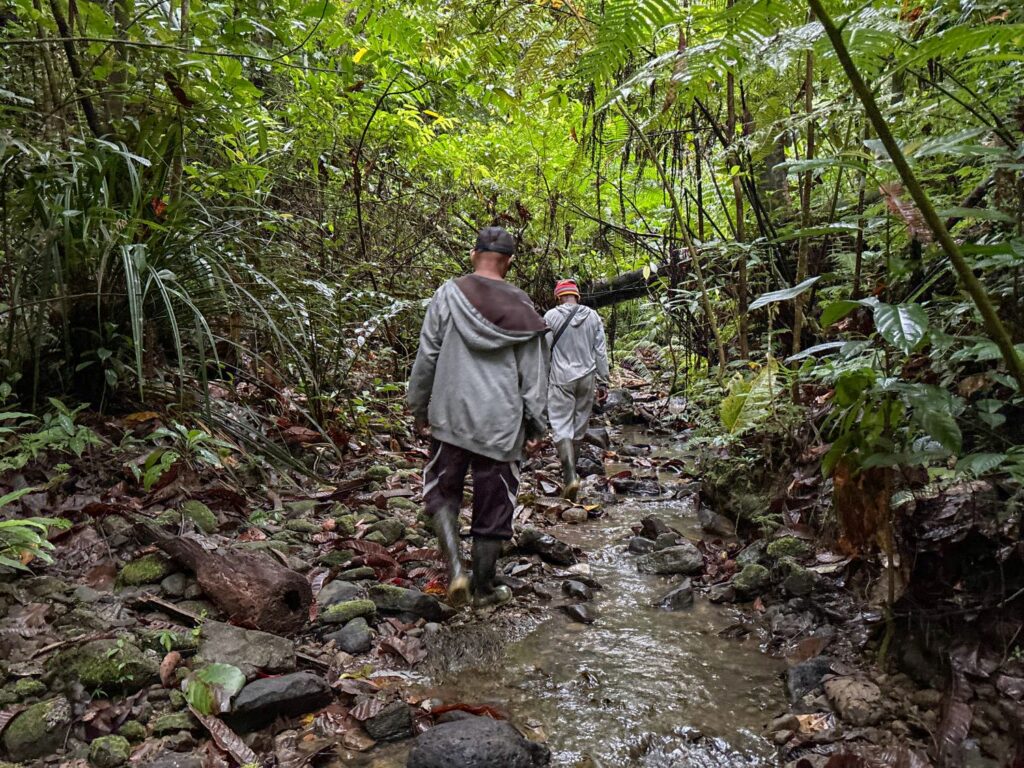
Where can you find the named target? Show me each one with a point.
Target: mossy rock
(340, 613)
(337, 558)
(752, 580)
(300, 506)
(301, 525)
(788, 546)
(377, 537)
(201, 515)
(345, 525)
(38, 731)
(107, 665)
(379, 472)
(28, 687)
(133, 730)
(150, 569)
(264, 544)
(390, 528)
(287, 537)
(172, 722)
(8, 696)
(403, 503)
(109, 752)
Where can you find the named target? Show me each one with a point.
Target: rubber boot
(486, 591)
(446, 526)
(567, 458)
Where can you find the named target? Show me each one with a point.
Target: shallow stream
(637, 687)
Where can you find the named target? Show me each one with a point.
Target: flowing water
(640, 685)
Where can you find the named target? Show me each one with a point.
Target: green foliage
(25, 539)
(209, 690)
(58, 433)
(750, 401)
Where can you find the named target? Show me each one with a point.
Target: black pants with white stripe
(495, 486)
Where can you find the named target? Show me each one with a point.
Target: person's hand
(602, 394)
(421, 427)
(532, 446)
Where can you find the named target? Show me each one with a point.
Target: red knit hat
(566, 288)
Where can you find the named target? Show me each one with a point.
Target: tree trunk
(805, 206)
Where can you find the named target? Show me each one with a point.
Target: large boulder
(678, 598)
(855, 700)
(476, 742)
(38, 731)
(250, 650)
(550, 549)
(263, 701)
(683, 558)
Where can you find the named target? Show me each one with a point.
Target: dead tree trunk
(251, 588)
(629, 285)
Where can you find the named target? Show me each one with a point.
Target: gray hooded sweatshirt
(480, 376)
(581, 349)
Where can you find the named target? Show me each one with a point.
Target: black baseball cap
(495, 239)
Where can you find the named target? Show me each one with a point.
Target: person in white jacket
(578, 375)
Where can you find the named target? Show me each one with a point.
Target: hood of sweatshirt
(492, 314)
(578, 319)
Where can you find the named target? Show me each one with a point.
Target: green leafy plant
(24, 539)
(210, 689)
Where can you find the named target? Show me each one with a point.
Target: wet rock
(644, 486)
(109, 751)
(751, 581)
(476, 742)
(588, 466)
(652, 527)
(517, 585)
(599, 437)
(342, 613)
(392, 723)
(855, 700)
(357, 574)
(150, 569)
(354, 637)
(787, 722)
(683, 558)
(264, 700)
(133, 730)
(391, 599)
(108, 665)
(641, 545)
(38, 731)
(339, 592)
(577, 590)
(248, 649)
(714, 523)
(754, 553)
(547, 546)
(722, 593)
(574, 515)
(545, 592)
(805, 677)
(678, 598)
(581, 612)
(635, 450)
(665, 540)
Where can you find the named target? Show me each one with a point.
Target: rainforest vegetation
(801, 220)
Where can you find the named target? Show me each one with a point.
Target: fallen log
(627, 286)
(251, 588)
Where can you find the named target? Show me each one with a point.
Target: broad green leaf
(785, 294)
(828, 346)
(903, 325)
(979, 463)
(851, 385)
(942, 427)
(211, 688)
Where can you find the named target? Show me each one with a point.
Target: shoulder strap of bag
(564, 325)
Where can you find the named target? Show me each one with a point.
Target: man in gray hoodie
(579, 372)
(478, 388)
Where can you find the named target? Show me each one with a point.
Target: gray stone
(721, 593)
(354, 637)
(753, 553)
(665, 540)
(598, 436)
(339, 592)
(168, 759)
(752, 580)
(476, 742)
(175, 585)
(545, 545)
(390, 528)
(248, 649)
(683, 558)
(263, 701)
(641, 545)
(392, 723)
(678, 598)
(800, 581)
(856, 700)
(652, 527)
(714, 523)
(357, 574)
(84, 594)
